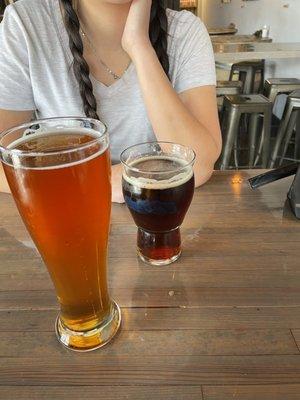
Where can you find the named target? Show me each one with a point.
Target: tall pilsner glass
(58, 171)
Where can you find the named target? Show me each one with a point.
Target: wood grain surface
(222, 323)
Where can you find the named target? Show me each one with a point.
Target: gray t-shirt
(36, 72)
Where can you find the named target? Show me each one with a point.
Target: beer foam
(44, 133)
(185, 174)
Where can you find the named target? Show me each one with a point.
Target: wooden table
(222, 323)
(235, 52)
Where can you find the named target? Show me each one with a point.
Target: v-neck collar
(105, 91)
(115, 86)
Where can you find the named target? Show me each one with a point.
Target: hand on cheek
(136, 31)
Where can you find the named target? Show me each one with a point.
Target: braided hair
(158, 33)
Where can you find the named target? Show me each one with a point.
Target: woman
(145, 71)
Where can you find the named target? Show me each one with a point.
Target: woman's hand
(136, 31)
(116, 183)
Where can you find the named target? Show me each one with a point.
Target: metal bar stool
(286, 129)
(225, 88)
(247, 71)
(234, 107)
(275, 86)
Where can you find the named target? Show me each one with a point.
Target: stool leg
(262, 77)
(231, 73)
(252, 137)
(234, 116)
(267, 90)
(288, 135)
(253, 88)
(242, 78)
(272, 95)
(260, 146)
(250, 77)
(267, 137)
(281, 133)
(235, 150)
(297, 138)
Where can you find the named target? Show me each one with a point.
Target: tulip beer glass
(158, 187)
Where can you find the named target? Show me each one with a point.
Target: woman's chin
(117, 1)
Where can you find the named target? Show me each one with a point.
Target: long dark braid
(158, 32)
(80, 66)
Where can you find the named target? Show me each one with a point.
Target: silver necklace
(112, 73)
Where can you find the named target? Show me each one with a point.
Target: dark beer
(158, 193)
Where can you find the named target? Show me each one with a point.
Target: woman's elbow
(203, 174)
(204, 169)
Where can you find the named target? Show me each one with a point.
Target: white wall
(251, 16)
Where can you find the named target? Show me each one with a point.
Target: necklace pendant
(112, 73)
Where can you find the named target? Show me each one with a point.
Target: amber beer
(62, 189)
(158, 189)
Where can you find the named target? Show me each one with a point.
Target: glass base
(93, 339)
(151, 261)
(159, 248)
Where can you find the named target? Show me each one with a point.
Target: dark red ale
(159, 205)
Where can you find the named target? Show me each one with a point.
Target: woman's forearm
(3, 181)
(116, 183)
(170, 119)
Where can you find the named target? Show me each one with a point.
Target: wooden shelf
(191, 5)
(188, 3)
